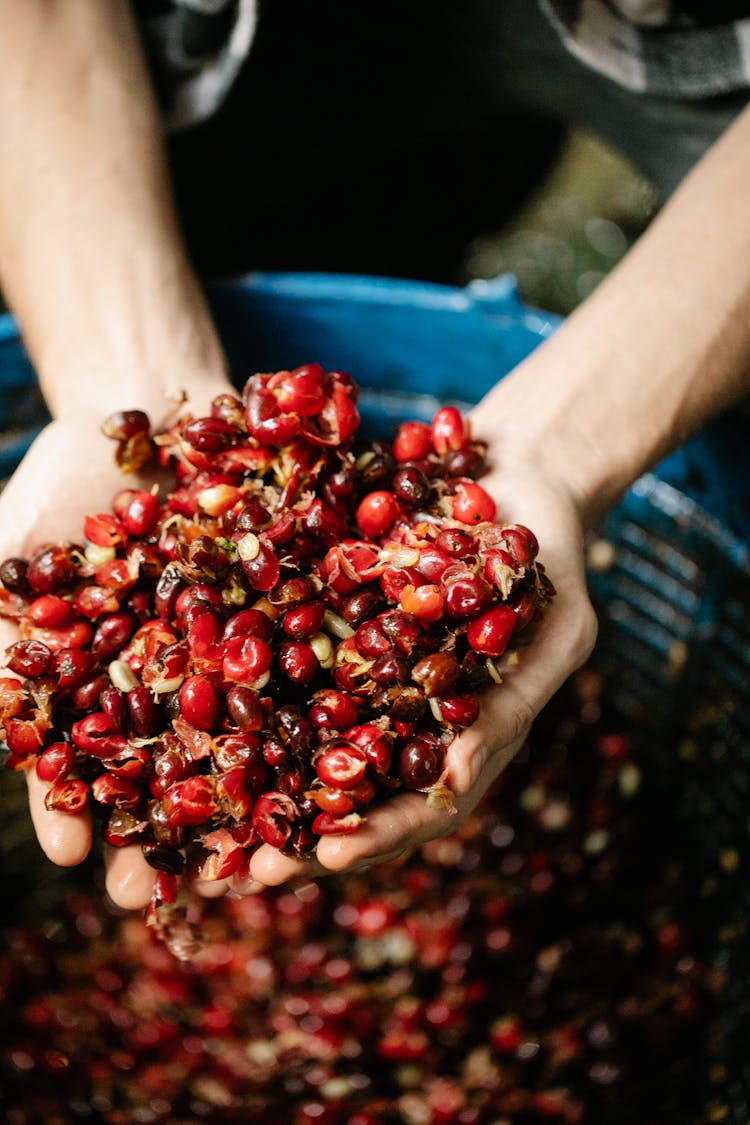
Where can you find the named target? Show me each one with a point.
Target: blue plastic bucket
(410, 345)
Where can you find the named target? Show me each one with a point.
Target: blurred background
(579, 222)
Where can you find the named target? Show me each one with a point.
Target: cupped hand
(558, 645)
(68, 472)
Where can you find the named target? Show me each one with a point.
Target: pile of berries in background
(546, 964)
(298, 630)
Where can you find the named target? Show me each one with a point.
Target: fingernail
(307, 892)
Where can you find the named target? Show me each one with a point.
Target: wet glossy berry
(341, 767)
(29, 658)
(377, 512)
(56, 762)
(50, 568)
(490, 632)
(297, 661)
(125, 424)
(13, 575)
(449, 430)
(425, 602)
(199, 702)
(50, 612)
(436, 673)
(420, 763)
(412, 442)
(471, 504)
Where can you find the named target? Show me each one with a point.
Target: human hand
(558, 645)
(68, 472)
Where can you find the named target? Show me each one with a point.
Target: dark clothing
(381, 137)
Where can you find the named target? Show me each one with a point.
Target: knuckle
(449, 826)
(407, 827)
(520, 720)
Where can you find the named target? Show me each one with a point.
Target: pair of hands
(70, 471)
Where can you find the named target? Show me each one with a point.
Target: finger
(204, 888)
(403, 823)
(271, 867)
(245, 885)
(477, 755)
(130, 879)
(210, 888)
(560, 645)
(65, 839)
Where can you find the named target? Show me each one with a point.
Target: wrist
(137, 361)
(157, 391)
(537, 426)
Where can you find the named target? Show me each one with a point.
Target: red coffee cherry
(377, 513)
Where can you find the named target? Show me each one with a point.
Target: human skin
(661, 346)
(92, 262)
(93, 265)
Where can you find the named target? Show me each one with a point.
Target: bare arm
(660, 347)
(91, 259)
(92, 263)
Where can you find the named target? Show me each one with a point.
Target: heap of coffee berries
(297, 630)
(549, 962)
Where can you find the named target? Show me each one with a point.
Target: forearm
(91, 259)
(661, 346)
